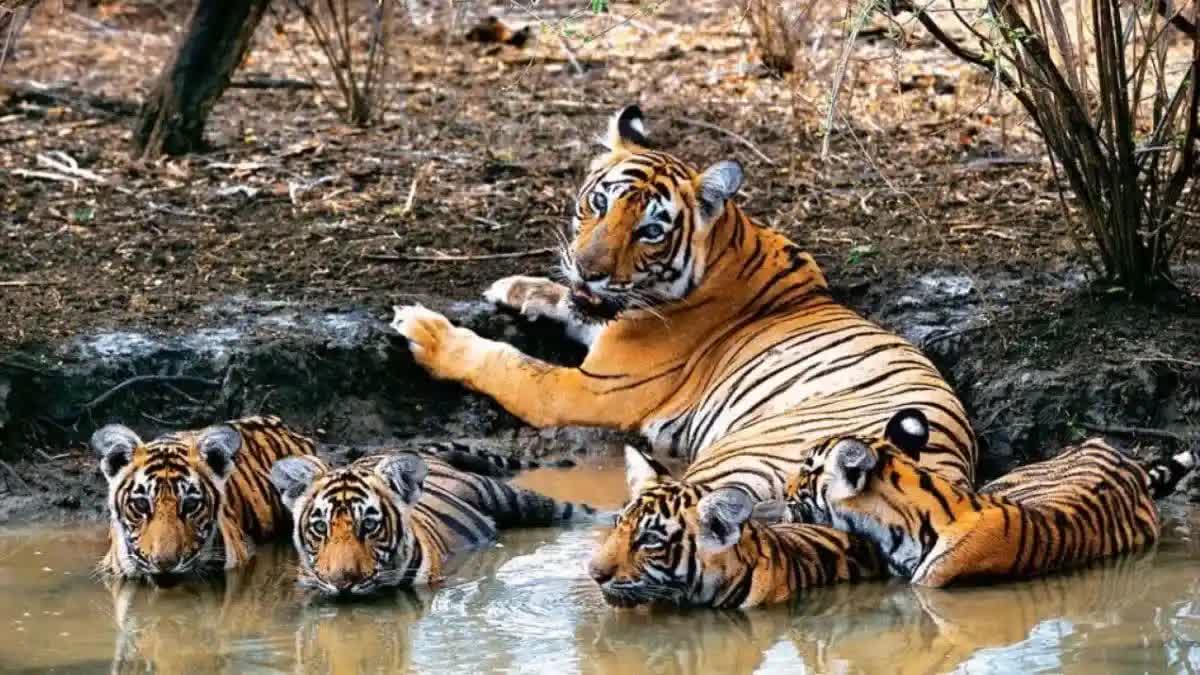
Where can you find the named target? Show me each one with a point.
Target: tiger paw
(533, 297)
(436, 344)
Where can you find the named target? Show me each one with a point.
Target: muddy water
(527, 606)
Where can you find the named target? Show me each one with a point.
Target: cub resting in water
(192, 500)
(686, 544)
(1090, 502)
(394, 520)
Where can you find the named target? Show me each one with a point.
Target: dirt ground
(928, 168)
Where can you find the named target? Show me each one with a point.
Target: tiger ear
(114, 444)
(405, 475)
(722, 513)
(850, 461)
(219, 446)
(627, 128)
(908, 430)
(717, 185)
(292, 476)
(642, 472)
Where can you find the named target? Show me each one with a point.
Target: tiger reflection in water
(876, 627)
(254, 617)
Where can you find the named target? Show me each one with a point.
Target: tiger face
(673, 543)
(351, 525)
(642, 224)
(839, 470)
(165, 498)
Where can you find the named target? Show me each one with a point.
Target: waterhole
(527, 606)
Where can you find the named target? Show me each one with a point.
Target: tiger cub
(687, 544)
(192, 499)
(1088, 503)
(394, 520)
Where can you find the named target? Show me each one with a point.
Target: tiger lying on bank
(714, 337)
(1090, 502)
(393, 520)
(191, 500)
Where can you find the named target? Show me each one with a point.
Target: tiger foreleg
(540, 393)
(537, 298)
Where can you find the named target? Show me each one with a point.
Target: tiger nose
(601, 574)
(344, 580)
(163, 560)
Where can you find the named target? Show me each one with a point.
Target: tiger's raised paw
(436, 344)
(533, 297)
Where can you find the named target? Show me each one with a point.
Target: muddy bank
(1031, 380)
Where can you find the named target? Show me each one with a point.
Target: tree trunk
(13, 16)
(172, 118)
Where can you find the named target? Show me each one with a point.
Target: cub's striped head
(165, 497)
(351, 525)
(673, 543)
(642, 224)
(840, 470)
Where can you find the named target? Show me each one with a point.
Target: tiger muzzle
(593, 305)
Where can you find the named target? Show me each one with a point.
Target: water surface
(527, 606)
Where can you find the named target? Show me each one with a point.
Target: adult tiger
(714, 337)
(1088, 503)
(192, 499)
(393, 520)
(687, 544)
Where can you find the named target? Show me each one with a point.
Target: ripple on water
(535, 586)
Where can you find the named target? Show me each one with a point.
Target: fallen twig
(446, 257)
(21, 366)
(46, 175)
(163, 208)
(63, 163)
(1166, 359)
(92, 404)
(732, 134)
(298, 188)
(412, 190)
(13, 472)
(40, 94)
(271, 83)
(25, 282)
(1118, 430)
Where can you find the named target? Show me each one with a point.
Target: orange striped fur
(192, 499)
(1088, 503)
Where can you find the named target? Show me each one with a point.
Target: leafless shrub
(1115, 103)
(356, 39)
(783, 30)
